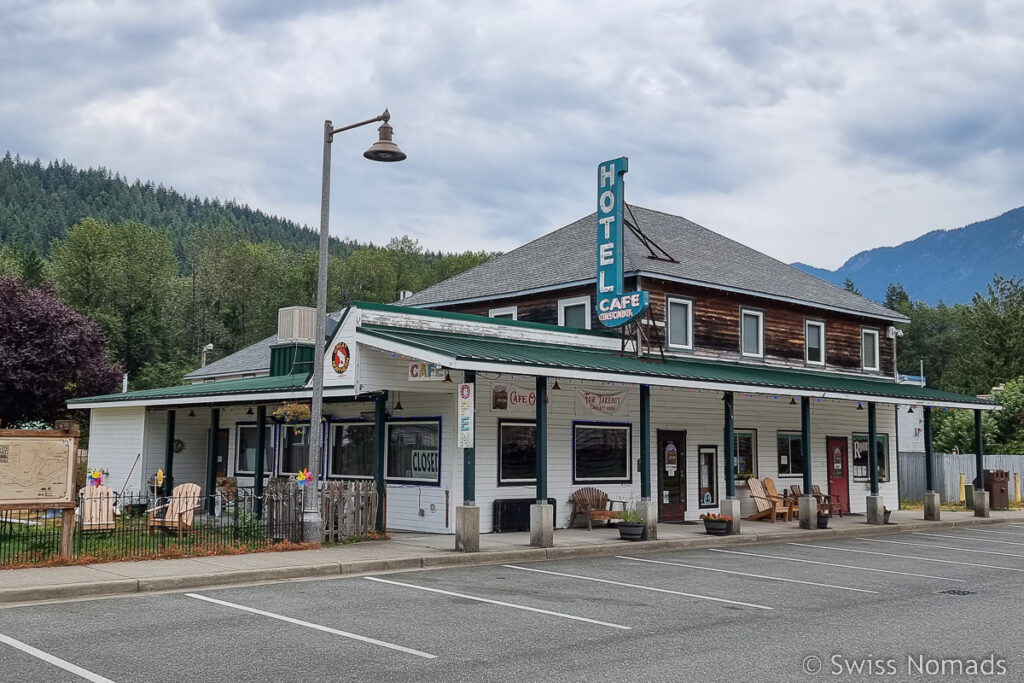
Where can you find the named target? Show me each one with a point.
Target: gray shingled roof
(704, 257)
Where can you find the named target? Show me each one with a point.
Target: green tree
(954, 431)
(33, 269)
(896, 297)
(849, 286)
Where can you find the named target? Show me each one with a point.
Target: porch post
(981, 496)
(379, 432)
(258, 466)
(646, 508)
(808, 505)
(931, 496)
(875, 507)
(467, 515)
(169, 455)
(541, 514)
(211, 461)
(730, 506)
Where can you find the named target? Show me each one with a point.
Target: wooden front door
(671, 491)
(838, 470)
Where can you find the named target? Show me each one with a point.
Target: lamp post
(382, 150)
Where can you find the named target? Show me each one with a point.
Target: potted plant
(885, 514)
(823, 519)
(631, 525)
(291, 412)
(716, 524)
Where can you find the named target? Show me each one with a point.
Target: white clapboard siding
(116, 437)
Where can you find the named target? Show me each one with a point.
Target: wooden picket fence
(349, 508)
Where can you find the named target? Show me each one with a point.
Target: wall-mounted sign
(513, 398)
(615, 307)
(340, 358)
(36, 469)
(466, 399)
(425, 372)
(601, 403)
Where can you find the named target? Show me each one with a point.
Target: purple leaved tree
(48, 354)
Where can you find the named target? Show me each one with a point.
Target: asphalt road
(868, 609)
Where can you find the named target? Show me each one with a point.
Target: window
(245, 450)
(791, 454)
(294, 448)
(601, 453)
(414, 451)
(679, 323)
(869, 349)
(707, 476)
(517, 453)
(574, 312)
(745, 452)
(507, 313)
(860, 458)
(752, 333)
(352, 450)
(814, 342)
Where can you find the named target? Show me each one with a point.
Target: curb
(222, 579)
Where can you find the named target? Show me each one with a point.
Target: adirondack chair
(827, 501)
(788, 504)
(593, 503)
(767, 507)
(177, 514)
(96, 510)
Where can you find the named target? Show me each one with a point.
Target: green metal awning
(265, 387)
(488, 354)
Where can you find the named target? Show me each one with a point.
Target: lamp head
(385, 149)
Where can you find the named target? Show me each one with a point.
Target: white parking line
(645, 588)
(941, 547)
(907, 557)
(754, 576)
(318, 627)
(989, 531)
(969, 539)
(56, 661)
(498, 602)
(832, 564)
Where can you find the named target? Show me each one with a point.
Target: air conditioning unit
(296, 324)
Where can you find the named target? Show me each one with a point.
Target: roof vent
(296, 324)
(404, 294)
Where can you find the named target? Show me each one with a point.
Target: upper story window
(679, 323)
(574, 312)
(507, 313)
(869, 349)
(752, 333)
(814, 342)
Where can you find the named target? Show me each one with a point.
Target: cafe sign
(426, 372)
(615, 307)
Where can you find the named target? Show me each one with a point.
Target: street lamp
(382, 150)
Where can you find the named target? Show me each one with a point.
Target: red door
(838, 470)
(671, 476)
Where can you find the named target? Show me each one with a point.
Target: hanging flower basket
(291, 412)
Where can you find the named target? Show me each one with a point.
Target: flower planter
(822, 521)
(885, 516)
(631, 531)
(716, 527)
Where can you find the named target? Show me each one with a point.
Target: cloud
(808, 130)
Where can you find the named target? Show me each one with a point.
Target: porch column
(467, 515)
(541, 514)
(646, 508)
(808, 505)
(730, 506)
(169, 455)
(931, 496)
(258, 466)
(211, 461)
(875, 508)
(981, 496)
(379, 434)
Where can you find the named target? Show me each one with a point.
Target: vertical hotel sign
(466, 405)
(615, 307)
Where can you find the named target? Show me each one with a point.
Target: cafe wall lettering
(426, 372)
(602, 402)
(513, 398)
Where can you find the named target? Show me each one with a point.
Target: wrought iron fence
(109, 526)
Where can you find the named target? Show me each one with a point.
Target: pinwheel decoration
(304, 477)
(95, 477)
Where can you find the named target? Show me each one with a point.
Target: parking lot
(942, 602)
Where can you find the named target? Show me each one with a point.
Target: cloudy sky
(808, 130)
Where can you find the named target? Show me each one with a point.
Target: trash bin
(969, 496)
(997, 483)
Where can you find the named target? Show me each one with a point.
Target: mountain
(943, 265)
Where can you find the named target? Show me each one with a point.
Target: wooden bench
(595, 504)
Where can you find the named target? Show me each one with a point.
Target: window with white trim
(679, 323)
(353, 453)
(574, 312)
(601, 453)
(791, 454)
(414, 451)
(869, 349)
(752, 333)
(245, 455)
(506, 312)
(814, 342)
(745, 453)
(517, 453)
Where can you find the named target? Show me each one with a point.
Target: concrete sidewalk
(419, 551)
